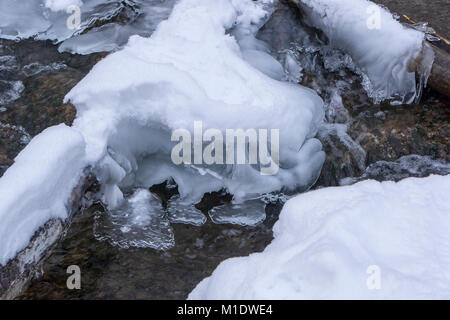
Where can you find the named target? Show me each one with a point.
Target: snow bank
(37, 186)
(384, 50)
(192, 69)
(327, 241)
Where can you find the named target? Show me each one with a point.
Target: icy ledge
(386, 54)
(333, 243)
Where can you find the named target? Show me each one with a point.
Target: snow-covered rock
(37, 187)
(370, 240)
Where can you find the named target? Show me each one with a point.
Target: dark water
(375, 133)
(109, 272)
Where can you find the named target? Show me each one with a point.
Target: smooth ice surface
(139, 222)
(386, 52)
(327, 240)
(184, 212)
(38, 185)
(248, 213)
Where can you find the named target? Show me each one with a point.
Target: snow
(202, 63)
(191, 69)
(332, 242)
(38, 185)
(62, 5)
(383, 49)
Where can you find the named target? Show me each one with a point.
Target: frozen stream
(156, 244)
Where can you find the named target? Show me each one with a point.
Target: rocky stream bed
(384, 142)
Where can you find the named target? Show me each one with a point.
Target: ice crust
(328, 242)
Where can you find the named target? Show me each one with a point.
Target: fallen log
(439, 78)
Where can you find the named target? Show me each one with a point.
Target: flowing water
(154, 246)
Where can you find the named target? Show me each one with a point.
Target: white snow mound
(370, 240)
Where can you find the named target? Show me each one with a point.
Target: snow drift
(327, 240)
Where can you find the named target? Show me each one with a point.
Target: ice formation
(412, 165)
(50, 19)
(139, 222)
(386, 53)
(38, 185)
(193, 67)
(370, 240)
